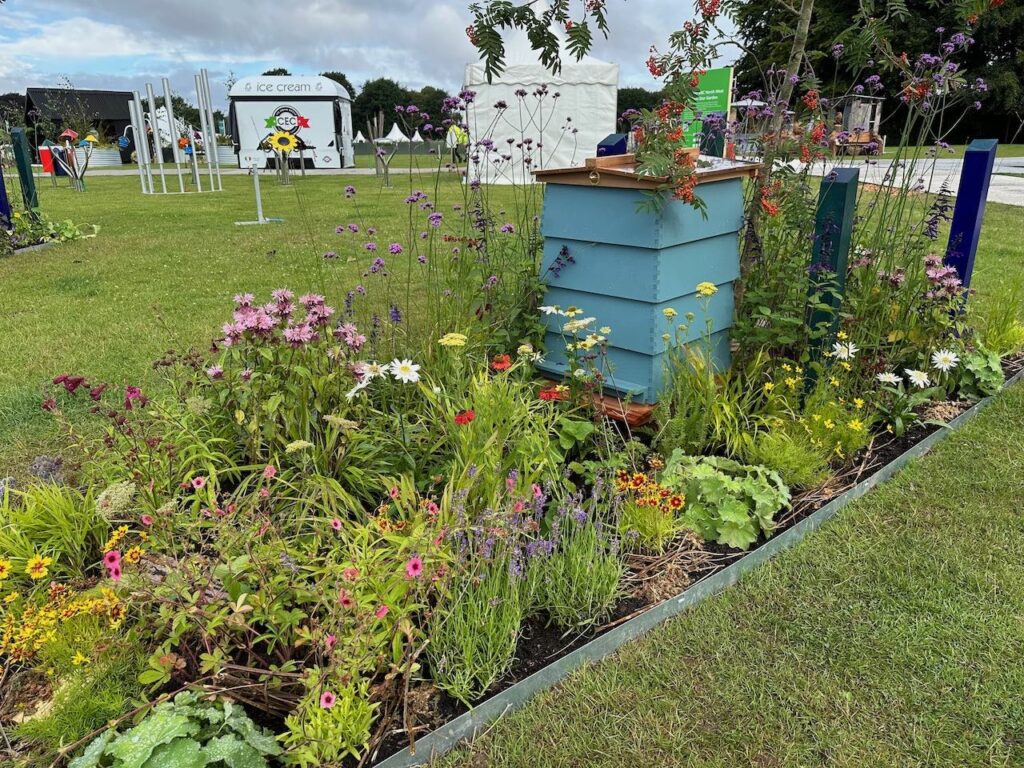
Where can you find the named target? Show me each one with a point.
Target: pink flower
(270, 472)
(414, 568)
(537, 492)
(381, 612)
(432, 508)
(146, 519)
(264, 493)
(393, 493)
(336, 524)
(327, 700)
(198, 482)
(329, 643)
(115, 572)
(345, 599)
(350, 574)
(112, 558)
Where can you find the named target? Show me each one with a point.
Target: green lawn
(957, 153)
(891, 637)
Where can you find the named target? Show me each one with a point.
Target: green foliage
(726, 502)
(999, 320)
(55, 521)
(377, 96)
(648, 526)
(316, 735)
(792, 454)
(184, 733)
(980, 374)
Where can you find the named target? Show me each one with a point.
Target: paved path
(933, 173)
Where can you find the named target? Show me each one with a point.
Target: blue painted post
(833, 230)
(965, 231)
(5, 203)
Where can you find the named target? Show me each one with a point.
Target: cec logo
(287, 119)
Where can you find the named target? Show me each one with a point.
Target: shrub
(580, 580)
(185, 731)
(727, 502)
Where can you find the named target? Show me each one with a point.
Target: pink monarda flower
(215, 372)
(198, 482)
(350, 574)
(270, 472)
(414, 568)
(112, 558)
(327, 700)
(146, 520)
(345, 599)
(336, 524)
(264, 493)
(381, 612)
(329, 643)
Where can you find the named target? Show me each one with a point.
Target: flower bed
(347, 520)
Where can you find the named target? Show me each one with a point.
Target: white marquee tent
(396, 135)
(568, 128)
(359, 139)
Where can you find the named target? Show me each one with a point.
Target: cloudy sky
(121, 44)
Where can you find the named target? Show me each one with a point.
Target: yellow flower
(452, 340)
(297, 445)
(605, 329)
(133, 555)
(846, 366)
(834, 381)
(858, 403)
(856, 425)
(79, 659)
(669, 312)
(768, 386)
(816, 416)
(573, 311)
(791, 382)
(787, 367)
(799, 370)
(829, 424)
(282, 141)
(525, 349)
(705, 289)
(38, 566)
(842, 336)
(665, 337)
(5, 569)
(10, 598)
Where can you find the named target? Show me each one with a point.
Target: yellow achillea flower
(38, 566)
(705, 289)
(669, 312)
(452, 340)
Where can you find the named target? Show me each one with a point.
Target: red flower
(49, 404)
(501, 362)
(550, 394)
(464, 417)
(96, 392)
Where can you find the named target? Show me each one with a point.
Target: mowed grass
(162, 272)
(891, 637)
(956, 151)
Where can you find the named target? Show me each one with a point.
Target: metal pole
(213, 124)
(259, 197)
(209, 141)
(133, 114)
(158, 147)
(171, 125)
(144, 144)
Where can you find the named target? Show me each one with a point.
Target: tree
(430, 100)
(995, 56)
(638, 98)
(380, 95)
(277, 72)
(342, 80)
(12, 108)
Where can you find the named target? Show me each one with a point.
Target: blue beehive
(630, 264)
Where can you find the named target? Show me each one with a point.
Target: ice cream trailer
(316, 110)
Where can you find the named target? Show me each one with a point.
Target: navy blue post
(965, 231)
(5, 203)
(833, 230)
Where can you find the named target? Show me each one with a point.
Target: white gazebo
(563, 130)
(359, 139)
(396, 136)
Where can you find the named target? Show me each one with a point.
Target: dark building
(104, 111)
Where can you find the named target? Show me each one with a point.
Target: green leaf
(90, 758)
(180, 753)
(234, 753)
(258, 738)
(134, 748)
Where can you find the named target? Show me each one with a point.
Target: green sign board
(714, 94)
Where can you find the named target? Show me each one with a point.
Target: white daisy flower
(918, 378)
(357, 388)
(551, 309)
(944, 360)
(405, 371)
(845, 350)
(889, 378)
(373, 370)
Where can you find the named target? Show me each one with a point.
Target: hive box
(632, 263)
